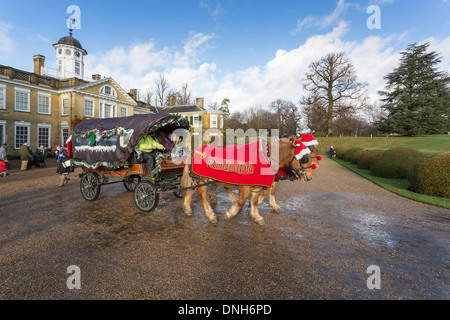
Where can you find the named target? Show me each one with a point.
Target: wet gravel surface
(329, 231)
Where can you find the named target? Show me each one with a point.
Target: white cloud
(323, 22)
(280, 78)
(7, 44)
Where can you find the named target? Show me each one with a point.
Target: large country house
(41, 109)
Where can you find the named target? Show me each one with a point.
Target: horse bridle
(302, 170)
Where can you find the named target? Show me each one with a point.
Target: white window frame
(46, 95)
(64, 125)
(21, 124)
(62, 105)
(27, 92)
(3, 94)
(3, 124)
(213, 118)
(221, 122)
(113, 91)
(93, 107)
(194, 124)
(49, 127)
(122, 107)
(113, 111)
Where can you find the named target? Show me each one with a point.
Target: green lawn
(426, 144)
(397, 186)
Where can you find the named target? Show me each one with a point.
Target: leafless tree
(184, 95)
(333, 87)
(162, 86)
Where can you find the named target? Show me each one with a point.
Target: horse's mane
(286, 150)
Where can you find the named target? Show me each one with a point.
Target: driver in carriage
(148, 146)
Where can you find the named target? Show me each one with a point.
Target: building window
(22, 134)
(65, 106)
(2, 131)
(88, 108)
(107, 110)
(221, 122)
(44, 135)
(22, 100)
(123, 111)
(64, 133)
(214, 121)
(77, 67)
(196, 120)
(108, 90)
(2, 97)
(44, 103)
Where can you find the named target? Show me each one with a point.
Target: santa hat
(308, 139)
(301, 150)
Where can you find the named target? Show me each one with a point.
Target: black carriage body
(111, 148)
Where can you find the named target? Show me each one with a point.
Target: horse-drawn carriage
(106, 151)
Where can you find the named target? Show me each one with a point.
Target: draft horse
(286, 157)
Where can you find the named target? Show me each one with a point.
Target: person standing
(62, 169)
(25, 156)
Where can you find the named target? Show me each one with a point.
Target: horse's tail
(186, 180)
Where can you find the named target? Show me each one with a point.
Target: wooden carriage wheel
(90, 186)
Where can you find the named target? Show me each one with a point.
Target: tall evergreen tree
(417, 95)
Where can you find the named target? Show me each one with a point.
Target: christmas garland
(159, 159)
(176, 119)
(109, 165)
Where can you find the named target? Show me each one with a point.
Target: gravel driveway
(330, 230)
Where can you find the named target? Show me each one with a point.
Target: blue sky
(249, 51)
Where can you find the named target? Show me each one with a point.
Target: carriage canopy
(110, 142)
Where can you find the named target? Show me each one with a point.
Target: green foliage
(354, 158)
(340, 151)
(417, 95)
(350, 152)
(431, 175)
(395, 163)
(366, 158)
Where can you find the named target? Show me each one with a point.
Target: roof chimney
(133, 94)
(200, 102)
(39, 61)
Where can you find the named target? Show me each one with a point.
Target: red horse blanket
(239, 165)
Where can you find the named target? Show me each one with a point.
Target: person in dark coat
(62, 170)
(168, 143)
(331, 152)
(25, 156)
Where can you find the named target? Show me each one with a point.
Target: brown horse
(270, 191)
(286, 157)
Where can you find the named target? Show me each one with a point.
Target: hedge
(395, 163)
(366, 158)
(431, 175)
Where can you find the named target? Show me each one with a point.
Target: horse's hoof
(227, 216)
(214, 221)
(260, 222)
(189, 214)
(276, 209)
